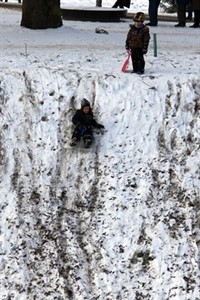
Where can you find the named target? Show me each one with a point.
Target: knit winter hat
(84, 103)
(139, 17)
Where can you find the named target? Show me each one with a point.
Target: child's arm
(97, 125)
(127, 46)
(76, 118)
(146, 38)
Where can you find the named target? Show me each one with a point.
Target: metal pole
(99, 3)
(155, 44)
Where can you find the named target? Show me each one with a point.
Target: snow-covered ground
(135, 5)
(142, 4)
(121, 220)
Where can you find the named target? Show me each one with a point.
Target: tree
(99, 3)
(41, 14)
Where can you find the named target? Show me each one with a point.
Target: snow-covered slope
(120, 220)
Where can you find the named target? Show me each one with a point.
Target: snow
(120, 220)
(135, 5)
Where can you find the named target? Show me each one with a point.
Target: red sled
(126, 63)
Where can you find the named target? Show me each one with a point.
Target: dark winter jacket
(182, 1)
(82, 119)
(138, 37)
(196, 4)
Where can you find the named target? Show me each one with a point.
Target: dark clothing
(182, 1)
(80, 118)
(84, 123)
(122, 3)
(153, 12)
(196, 8)
(138, 41)
(138, 37)
(181, 6)
(189, 10)
(196, 19)
(196, 4)
(181, 13)
(137, 60)
(84, 132)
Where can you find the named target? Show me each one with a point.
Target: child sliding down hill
(84, 122)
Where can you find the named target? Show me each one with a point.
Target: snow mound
(119, 221)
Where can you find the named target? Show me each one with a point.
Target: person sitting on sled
(84, 122)
(137, 42)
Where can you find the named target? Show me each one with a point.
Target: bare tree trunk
(99, 3)
(41, 14)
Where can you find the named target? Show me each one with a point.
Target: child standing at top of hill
(137, 42)
(84, 122)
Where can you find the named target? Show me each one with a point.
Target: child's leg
(88, 137)
(134, 60)
(76, 136)
(141, 65)
(138, 60)
(141, 62)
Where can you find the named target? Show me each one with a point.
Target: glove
(100, 126)
(144, 50)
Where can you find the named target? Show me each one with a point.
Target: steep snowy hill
(119, 221)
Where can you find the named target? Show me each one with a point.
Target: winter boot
(135, 66)
(180, 24)
(87, 142)
(140, 67)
